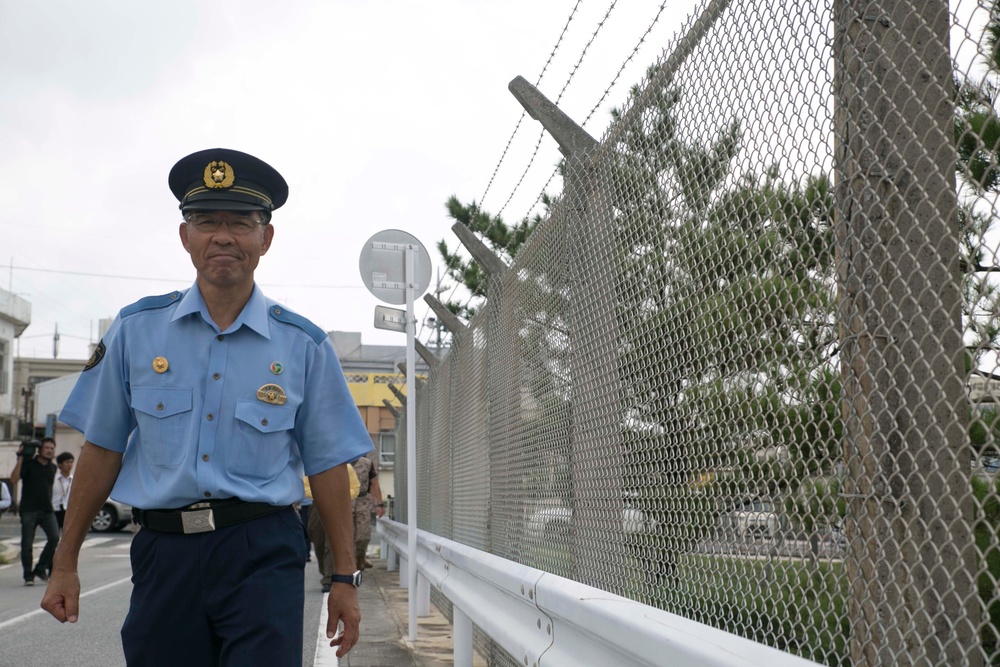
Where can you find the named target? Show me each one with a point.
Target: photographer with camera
(35, 468)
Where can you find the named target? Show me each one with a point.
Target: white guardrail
(545, 620)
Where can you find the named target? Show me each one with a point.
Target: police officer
(202, 409)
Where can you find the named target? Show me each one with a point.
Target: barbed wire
(569, 79)
(635, 50)
(523, 113)
(607, 91)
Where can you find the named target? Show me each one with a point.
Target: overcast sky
(374, 111)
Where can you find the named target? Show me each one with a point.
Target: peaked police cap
(221, 179)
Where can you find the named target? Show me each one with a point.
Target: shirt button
(211, 417)
(204, 457)
(159, 406)
(208, 494)
(219, 337)
(263, 422)
(215, 376)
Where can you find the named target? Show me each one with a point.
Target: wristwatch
(353, 579)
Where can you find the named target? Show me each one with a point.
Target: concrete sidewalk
(385, 628)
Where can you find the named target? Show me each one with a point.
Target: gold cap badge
(160, 364)
(219, 174)
(272, 393)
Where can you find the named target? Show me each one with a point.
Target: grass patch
(792, 605)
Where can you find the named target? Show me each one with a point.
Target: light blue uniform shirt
(198, 430)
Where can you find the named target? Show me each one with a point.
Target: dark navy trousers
(233, 596)
(30, 521)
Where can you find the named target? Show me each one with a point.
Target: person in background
(60, 489)
(203, 409)
(369, 499)
(36, 470)
(5, 500)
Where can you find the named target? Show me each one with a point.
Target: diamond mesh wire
(470, 454)
(746, 369)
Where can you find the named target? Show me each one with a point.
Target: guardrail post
(391, 558)
(423, 596)
(462, 632)
(404, 572)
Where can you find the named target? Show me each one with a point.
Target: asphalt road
(29, 636)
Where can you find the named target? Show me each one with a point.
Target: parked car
(112, 516)
(756, 518)
(553, 522)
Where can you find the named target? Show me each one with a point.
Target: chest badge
(160, 364)
(277, 368)
(272, 393)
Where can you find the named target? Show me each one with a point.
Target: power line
(170, 280)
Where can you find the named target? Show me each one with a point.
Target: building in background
(31, 372)
(370, 369)
(15, 316)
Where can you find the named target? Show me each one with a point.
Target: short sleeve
(99, 405)
(329, 428)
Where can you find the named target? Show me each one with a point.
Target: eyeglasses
(239, 225)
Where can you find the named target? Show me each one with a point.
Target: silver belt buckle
(198, 521)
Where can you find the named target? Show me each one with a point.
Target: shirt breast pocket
(265, 439)
(163, 415)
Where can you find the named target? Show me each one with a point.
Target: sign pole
(397, 282)
(411, 440)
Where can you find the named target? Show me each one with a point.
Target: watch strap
(353, 579)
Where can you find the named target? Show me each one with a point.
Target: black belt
(203, 517)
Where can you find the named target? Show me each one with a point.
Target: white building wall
(15, 316)
(7, 368)
(51, 396)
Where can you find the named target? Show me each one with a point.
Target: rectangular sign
(391, 319)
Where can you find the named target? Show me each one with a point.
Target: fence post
(911, 558)
(596, 405)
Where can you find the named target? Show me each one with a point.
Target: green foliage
(977, 139)
(727, 327)
(503, 239)
(987, 530)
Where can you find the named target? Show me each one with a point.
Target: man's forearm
(331, 491)
(96, 472)
(15, 474)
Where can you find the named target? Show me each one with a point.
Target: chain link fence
(744, 371)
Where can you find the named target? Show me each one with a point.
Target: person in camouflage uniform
(369, 499)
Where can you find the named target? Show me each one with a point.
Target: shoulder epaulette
(288, 317)
(149, 303)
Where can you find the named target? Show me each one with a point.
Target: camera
(29, 448)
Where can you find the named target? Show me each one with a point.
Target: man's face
(222, 258)
(48, 451)
(65, 467)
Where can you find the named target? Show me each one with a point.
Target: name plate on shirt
(272, 393)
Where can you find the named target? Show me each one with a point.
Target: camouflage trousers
(363, 509)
